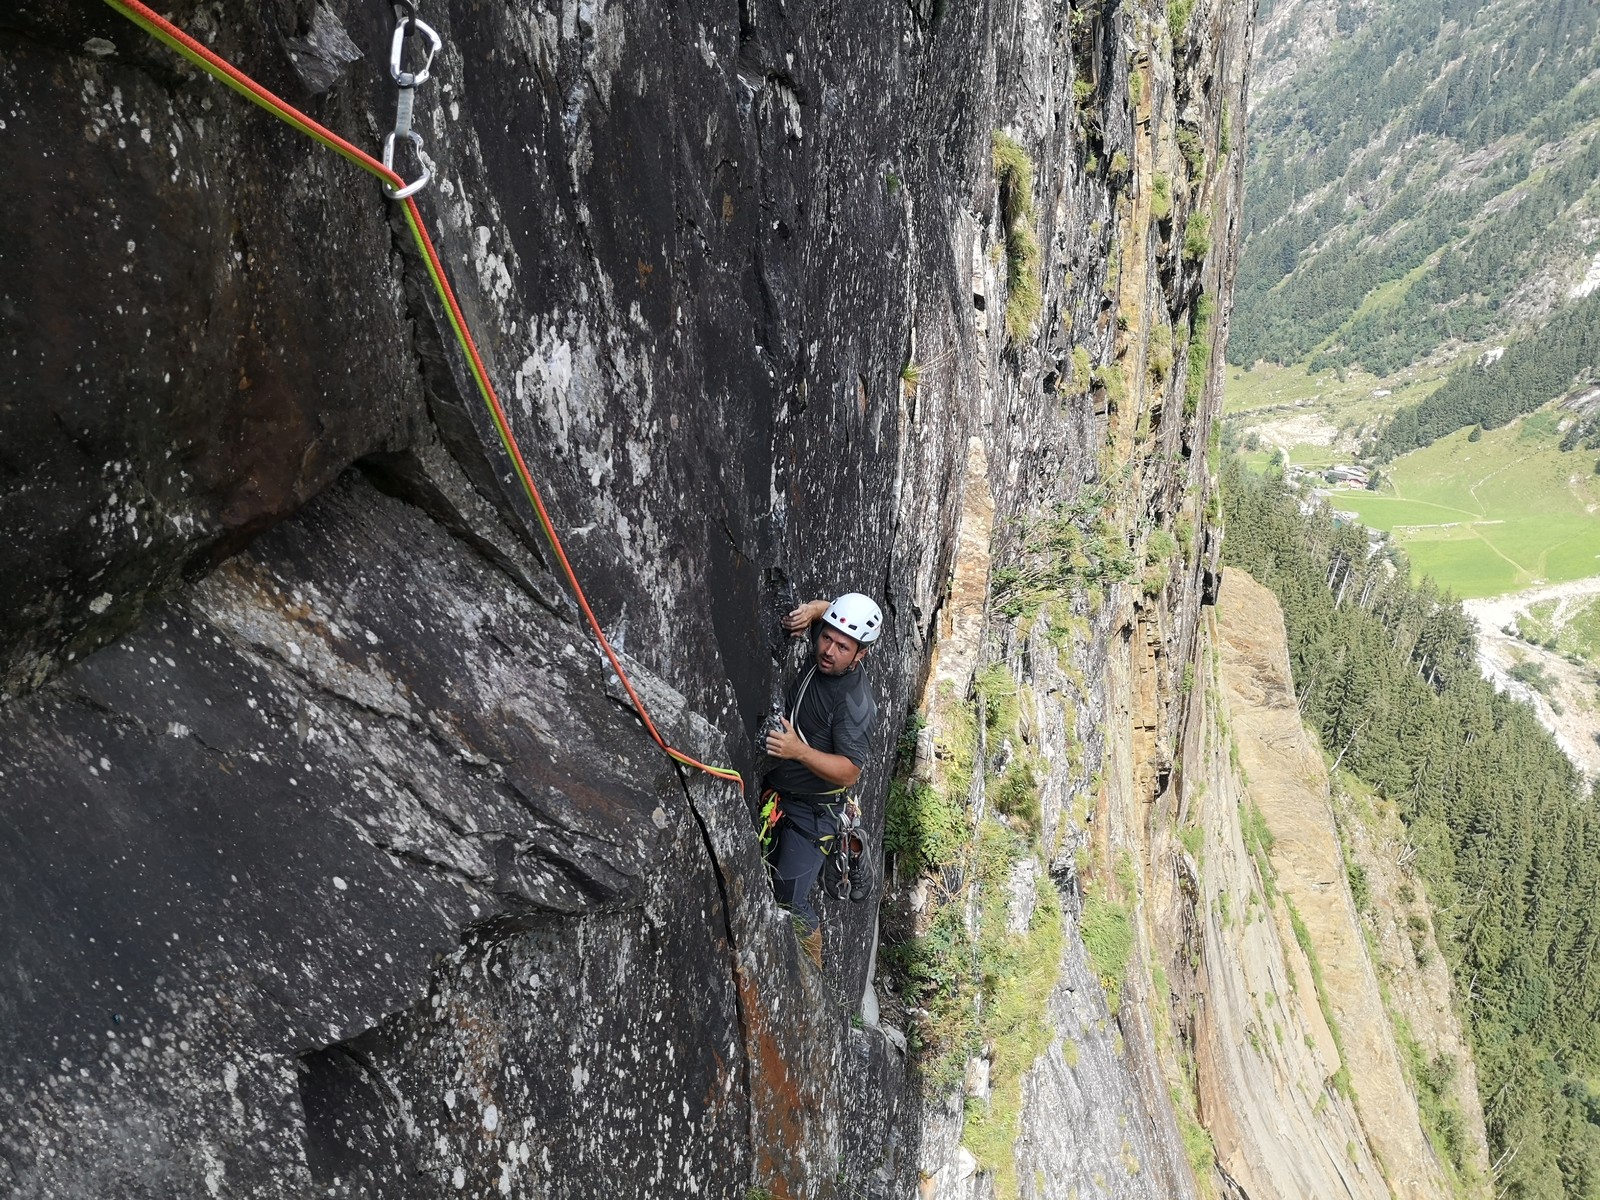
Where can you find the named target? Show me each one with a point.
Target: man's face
(837, 653)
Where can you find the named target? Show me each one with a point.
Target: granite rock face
(1291, 989)
(334, 861)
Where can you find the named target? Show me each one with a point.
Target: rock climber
(820, 742)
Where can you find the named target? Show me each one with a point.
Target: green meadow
(1301, 454)
(1343, 398)
(1504, 513)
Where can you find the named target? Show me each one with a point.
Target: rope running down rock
(217, 67)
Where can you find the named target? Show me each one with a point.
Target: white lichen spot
(491, 267)
(580, 1078)
(459, 1177)
(491, 1118)
(340, 884)
(100, 603)
(215, 1172)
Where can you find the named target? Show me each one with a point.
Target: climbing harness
(847, 850)
(397, 188)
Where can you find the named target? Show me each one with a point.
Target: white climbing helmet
(857, 616)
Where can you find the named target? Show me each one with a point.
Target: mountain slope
(1284, 937)
(1422, 178)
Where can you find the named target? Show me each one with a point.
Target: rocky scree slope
(333, 860)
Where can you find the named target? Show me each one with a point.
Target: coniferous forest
(1422, 185)
(1506, 832)
(1562, 355)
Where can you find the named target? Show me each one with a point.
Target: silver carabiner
(410, 189)
(409, 79)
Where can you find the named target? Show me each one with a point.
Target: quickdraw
(407, 26)
(853, 871)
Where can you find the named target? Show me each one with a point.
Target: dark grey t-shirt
(836, 715)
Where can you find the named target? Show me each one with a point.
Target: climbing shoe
(812, 945)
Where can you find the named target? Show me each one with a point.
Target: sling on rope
(398, 189)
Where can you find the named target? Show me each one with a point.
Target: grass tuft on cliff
(925, 821)
(1075, 549)
(1013, 171)
(1199, 354)
(1107, 930)
(981, 988)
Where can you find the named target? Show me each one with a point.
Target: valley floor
(1508, 521)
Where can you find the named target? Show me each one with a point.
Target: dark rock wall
(337, 865)
(203, 329)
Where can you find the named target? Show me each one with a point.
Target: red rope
(538, 500)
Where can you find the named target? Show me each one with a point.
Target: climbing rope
(398, 189)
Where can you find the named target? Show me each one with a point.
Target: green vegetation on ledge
(979, 991)
(1014, 170)
(925, 824)
(1074, 548)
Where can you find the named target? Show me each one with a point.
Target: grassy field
(1349, 401)
(1301, 454)
(1498, 515)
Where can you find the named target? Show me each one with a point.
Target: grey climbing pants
(796, 854)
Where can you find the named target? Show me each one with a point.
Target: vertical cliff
(1294, 1031)
(334, 859)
